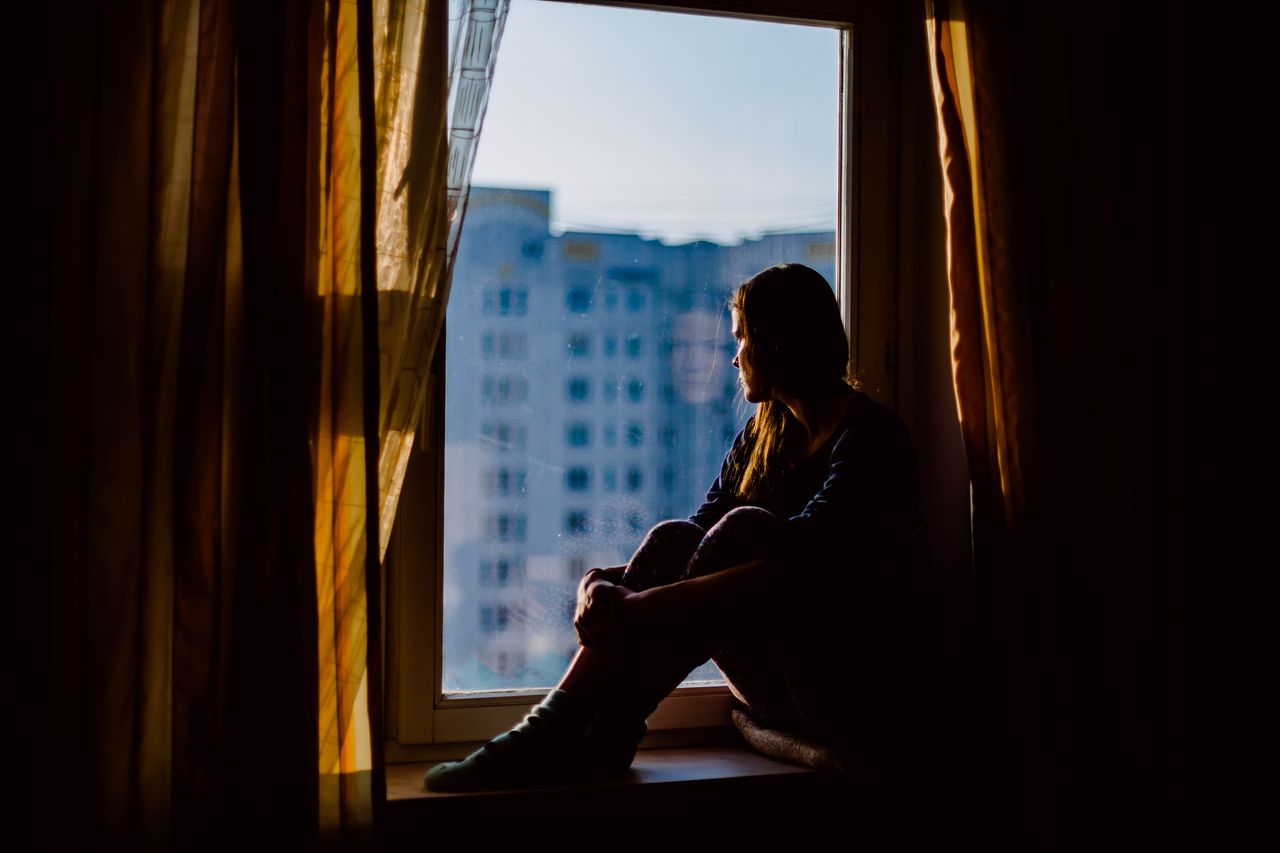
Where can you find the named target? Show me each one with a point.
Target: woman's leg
(576, 728)
(747, 655)
(662, 558)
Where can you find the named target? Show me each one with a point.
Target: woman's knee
(743, 534)
(663, 555)
(674, 537)
(746, 521)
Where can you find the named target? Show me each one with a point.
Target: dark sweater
(857, 499)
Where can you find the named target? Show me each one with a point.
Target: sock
(611, 740)
(546, 747)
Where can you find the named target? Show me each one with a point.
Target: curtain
(428, 129)
(1070, 257)
(253, 211)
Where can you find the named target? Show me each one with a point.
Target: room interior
(172, 597)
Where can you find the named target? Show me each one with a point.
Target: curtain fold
(213, 397)
(428, 125)
(1069, 252)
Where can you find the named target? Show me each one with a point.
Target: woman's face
(754, 386)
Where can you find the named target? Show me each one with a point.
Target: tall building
(589, 395)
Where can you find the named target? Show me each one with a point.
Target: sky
(675, 126)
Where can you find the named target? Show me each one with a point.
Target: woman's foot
(546, 748)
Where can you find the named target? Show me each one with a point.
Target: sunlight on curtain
(428, 127)
(338, 454)
(976, 341)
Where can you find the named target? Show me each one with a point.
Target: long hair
(793, 337)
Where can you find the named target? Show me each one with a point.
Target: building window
(508, 527)
(635, 301)
(635, 390)
(635, 345)
(610, 480)
(504, 436)
(503, 571)
(579, 299)
(635, 434)
(577, 523)
(506, 482)
(579, 345)
(578, 434)
(502, 390)
(610, 346)
(609, 390)
(610, 435)
(577, 479)
(635, 479)
(580, 250)
(579, 389)
(506, 301)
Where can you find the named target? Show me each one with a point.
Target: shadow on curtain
(1071, 260)
(231, 180)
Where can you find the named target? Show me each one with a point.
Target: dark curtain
(180, 352)
(1078, 314)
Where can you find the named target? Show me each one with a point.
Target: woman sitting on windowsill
(801, 575)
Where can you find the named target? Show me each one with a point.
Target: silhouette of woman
(799, 575)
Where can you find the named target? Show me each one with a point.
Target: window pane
(589, 392)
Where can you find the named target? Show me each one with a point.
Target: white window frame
(421, 723)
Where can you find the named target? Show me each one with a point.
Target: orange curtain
(1069, 256)
(213, 390)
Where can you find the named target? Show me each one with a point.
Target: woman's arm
(682, 609)
(698, 601)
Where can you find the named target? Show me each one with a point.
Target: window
(502, 390)
(506, 482)
(577, 523)
(691, 390)
(579, 389)
(506, 301)
(579, 345)
(578, 434)
(504, 345)
(577, 479)
(503, 571)
(504, 436)
(579, 300)
(507, 527)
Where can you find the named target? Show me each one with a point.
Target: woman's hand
(600, 618)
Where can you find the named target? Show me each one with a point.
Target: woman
(796, 575)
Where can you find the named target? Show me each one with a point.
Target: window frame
(421, 724)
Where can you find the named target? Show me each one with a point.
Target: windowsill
(669, 787)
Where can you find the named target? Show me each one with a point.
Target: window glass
(613, 211)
